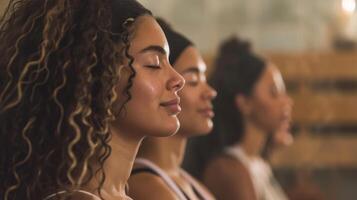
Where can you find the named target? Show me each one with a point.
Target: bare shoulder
(145, 186)
(226, 165)
(228, 178)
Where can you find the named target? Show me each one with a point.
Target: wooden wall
(324, 88)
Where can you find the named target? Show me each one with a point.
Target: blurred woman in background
(252, 103)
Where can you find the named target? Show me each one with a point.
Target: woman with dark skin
(252, 103)
(157, 172)
(79, 81)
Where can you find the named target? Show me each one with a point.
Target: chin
(170, 129)
(208, 126)
(205, 127)
(201, 131)
(206, 131)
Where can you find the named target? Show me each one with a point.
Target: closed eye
(153, 66)
(192, 76)
(192, 83)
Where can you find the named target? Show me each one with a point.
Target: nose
(176, 81)
(209, 93)
(289, 103)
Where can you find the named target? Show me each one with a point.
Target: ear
(243, 104)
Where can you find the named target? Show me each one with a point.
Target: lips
(286, 123)
(207, 112)
(286, 117)
(172, 106)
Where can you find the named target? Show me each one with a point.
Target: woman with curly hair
(252, 104)
(81, 84)
(157, 169)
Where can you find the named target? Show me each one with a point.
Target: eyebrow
(154, 48)
(191, 70)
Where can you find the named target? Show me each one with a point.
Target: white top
(265, 185)
(170, 182)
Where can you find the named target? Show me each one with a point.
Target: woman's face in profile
(196, 96)
(271, 106)
(154, 104)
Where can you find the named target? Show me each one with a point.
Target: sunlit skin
(196, 96)
(147, 113)
(267, 110)
(155, 102)
(195, 118)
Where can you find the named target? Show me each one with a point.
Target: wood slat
(335, 108)
(318, 152)
(317, 66)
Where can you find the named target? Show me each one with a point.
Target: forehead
(278, 78)
(147, 32)
(271, 75)
(268, 73)
(190, 58)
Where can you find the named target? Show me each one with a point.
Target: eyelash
(192, 83)
(274, 92)
(153, 66)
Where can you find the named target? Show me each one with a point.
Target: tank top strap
(143, 170)
(64, 192)
(238, 153)
(165, 177)
(200, 192)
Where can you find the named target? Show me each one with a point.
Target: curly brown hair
(59, 68)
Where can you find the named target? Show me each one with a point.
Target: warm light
(349, 6)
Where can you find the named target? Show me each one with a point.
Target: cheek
(188, 99)
(147, 90)
(272, 113)
(188, 105)
(188, 111)
(268, 105)
(192, 122)
(271, 110)
(267, 112)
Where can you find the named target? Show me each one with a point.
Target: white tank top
(265, 185)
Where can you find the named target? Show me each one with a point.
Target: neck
(118, 166)
(253, 140)
(166, 152)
